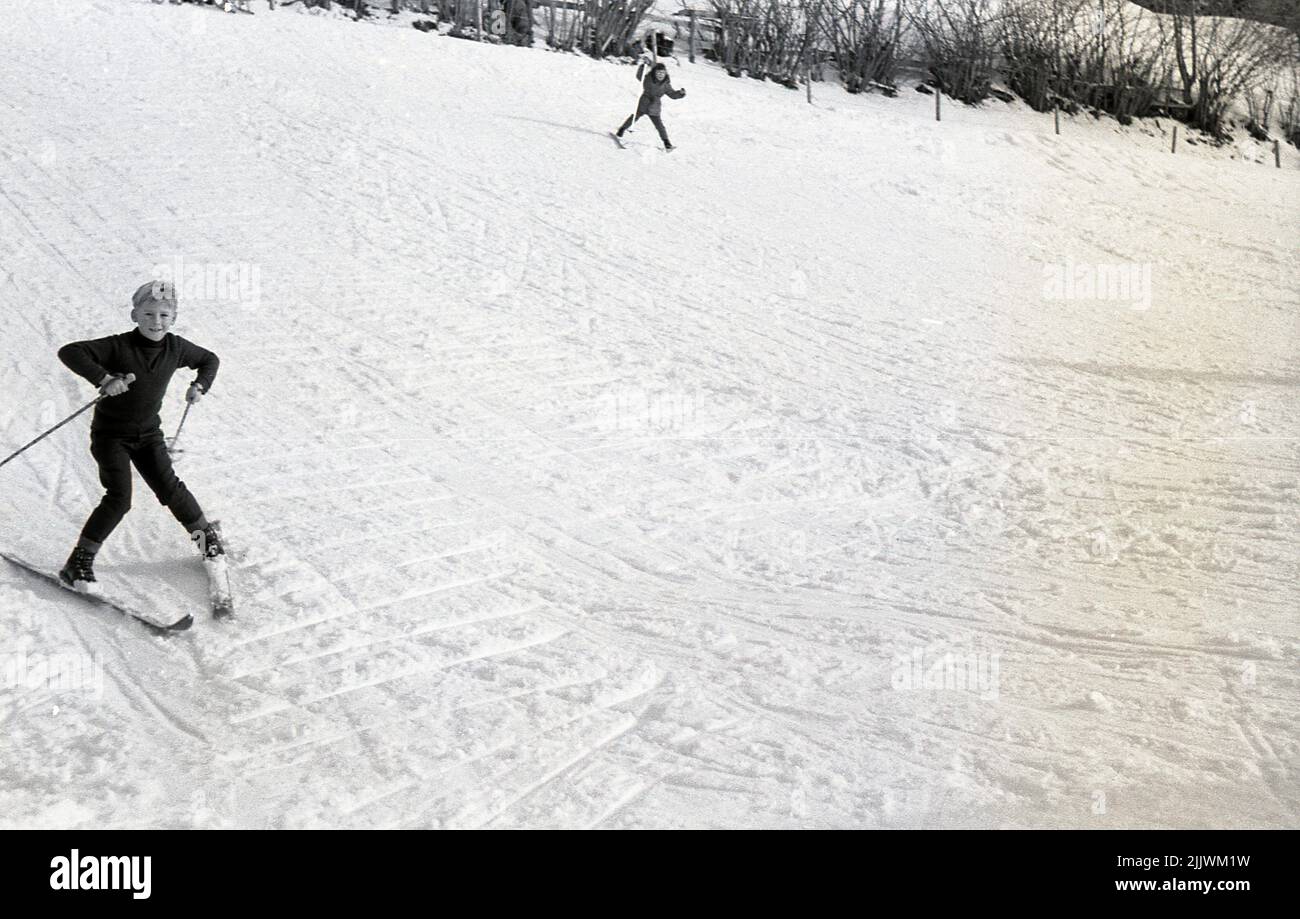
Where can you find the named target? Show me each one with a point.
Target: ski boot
(79, 571)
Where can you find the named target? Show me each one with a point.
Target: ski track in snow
(570, 486)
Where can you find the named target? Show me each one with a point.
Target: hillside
(571, 486)
(1285, 13)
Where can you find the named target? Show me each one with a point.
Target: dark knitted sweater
(135, 412)
(652, 93)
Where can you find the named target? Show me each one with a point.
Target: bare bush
(599, 28)
(1288, 110)
(1220, 59)
(959, 39)
(1259, 101)
(766, 38)
(1097, 53)
(463, 18)
(739, 34)
(612, 25)
(1116, 62)
(866, 39)
(1033, 47)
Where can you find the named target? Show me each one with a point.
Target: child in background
(655, 86)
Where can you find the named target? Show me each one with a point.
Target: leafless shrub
(866, 39)
(1033, 46)
(1097, 53)
(1288, 110)
(766, 39)
(1220, 59)
(1259, 107)
(612, 25)
(599, 28)
(959, 39)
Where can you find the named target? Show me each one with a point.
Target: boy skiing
(655, 86)
(127, 430)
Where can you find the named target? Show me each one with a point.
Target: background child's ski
(50, 575)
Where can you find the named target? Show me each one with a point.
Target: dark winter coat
(135, 412)
(652, 93)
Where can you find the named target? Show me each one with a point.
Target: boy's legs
(114, 461)
(155, 466)
(627, 124)
(659, 126)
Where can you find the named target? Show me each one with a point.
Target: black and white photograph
(872, 415)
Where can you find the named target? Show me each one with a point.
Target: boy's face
(154, 320)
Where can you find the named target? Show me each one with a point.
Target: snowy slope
(577, 487)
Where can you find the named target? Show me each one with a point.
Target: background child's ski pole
(645, 60)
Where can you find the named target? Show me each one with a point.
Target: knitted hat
(163, 291)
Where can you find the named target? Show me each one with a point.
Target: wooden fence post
(478, 17)
(1277, 152)
(692, 44)
(938, 103)
(808, 77)
(1173, 145)
(1056, 115)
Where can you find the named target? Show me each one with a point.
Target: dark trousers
(116, 456)
(658, 123)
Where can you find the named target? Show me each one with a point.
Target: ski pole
(636, 112)
(171, 448)
(130, 378)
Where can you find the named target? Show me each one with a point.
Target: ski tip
(98, 596)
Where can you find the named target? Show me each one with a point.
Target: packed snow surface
(843, 468)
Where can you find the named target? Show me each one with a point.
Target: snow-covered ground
(576, 487)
